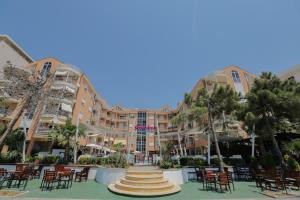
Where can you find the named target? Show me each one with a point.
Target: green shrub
(235, 161)
(293, 163)
(214, 161)
(189, 161)
(254, 163)
(186, 161)
(177, 166)
(268, 161)
(165, 164)
(117, 160)
(98, 161)
(199, 162)
(87, 160)
(50, 159)
(10, 157)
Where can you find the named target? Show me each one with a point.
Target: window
(46, 69)
(86, 88)
(235, 76)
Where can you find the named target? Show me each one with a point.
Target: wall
(9, 54)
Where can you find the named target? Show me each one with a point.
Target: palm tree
(64, 135)
(178, 121)
(26, 87)
(14, 140)
(207, 109)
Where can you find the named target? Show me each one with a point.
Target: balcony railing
(43, 131)
(60, 114)
(65, 83)
(5, 111)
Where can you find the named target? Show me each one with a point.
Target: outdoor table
(10, 175)
(268, 183)
(64, 176)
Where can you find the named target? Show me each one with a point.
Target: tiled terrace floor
(93, 190)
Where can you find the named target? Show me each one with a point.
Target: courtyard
(93, 190)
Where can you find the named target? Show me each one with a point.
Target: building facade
(12, 53)
(293, 72)
(69, 94)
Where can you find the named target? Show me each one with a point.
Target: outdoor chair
(37, 172)
(209, 180)
(59, 168)
(293, 179)
(49, 180)
(65, 179)
(20, 179)
(229, 177)
(2, 172)
(245, 174)
(19, 167)
(83, 174)
(4, 177)
(198, 173)
(223, 181)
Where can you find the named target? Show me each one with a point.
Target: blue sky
(144, 54)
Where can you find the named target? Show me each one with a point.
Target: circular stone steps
(144, 183)
(145, 178)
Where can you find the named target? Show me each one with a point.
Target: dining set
(277, 179)
(59, 177)
(19, 177)
(219, 181)
(62, 177)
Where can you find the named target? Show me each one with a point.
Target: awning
(61, 73)
(57, 87)
(70, 90)
(95, 135)
(120, 141)
(66, 107)
(96, 146)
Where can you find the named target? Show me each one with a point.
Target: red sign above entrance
(147, 128)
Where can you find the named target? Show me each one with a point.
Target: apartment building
(240, 80)
(292, 72)
(10, 53)
(70, 95)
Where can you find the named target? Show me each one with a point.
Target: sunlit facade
(70, 95)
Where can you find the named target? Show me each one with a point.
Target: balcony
(66, 85)
(61, 115)
(5, 112)
(44, 131)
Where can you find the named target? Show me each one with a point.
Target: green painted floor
(93, 190)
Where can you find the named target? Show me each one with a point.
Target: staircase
(144, 183)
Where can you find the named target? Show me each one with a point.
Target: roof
(16, 47)
(290, 71)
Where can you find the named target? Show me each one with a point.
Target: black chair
(37, 172)
(82, 175)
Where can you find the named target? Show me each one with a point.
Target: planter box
(109, 175)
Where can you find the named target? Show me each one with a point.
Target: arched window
(46, 69)
(235, 76)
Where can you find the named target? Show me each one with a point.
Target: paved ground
(93, 190)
